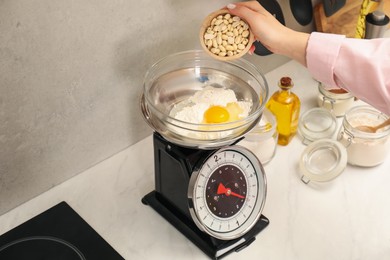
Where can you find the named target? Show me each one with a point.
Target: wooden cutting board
(344, 21)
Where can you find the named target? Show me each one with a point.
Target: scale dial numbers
(227, 193)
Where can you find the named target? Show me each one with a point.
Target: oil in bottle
(285, 105)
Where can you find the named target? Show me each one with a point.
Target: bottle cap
(286, 83)
(378, 16)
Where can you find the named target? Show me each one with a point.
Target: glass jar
(363, 148)
(262, 139)
(337, 101)
(315, 124)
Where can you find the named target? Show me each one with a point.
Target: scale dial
(227, 193)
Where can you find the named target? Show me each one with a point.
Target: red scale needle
(223, 190)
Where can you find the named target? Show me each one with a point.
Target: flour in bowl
(193, 109)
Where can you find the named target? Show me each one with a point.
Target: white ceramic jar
(363, 148)
(336, 100)
(262, 139)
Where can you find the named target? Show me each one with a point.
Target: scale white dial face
(228, 192)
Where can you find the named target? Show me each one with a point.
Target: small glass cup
(315, 124)
(263, 138)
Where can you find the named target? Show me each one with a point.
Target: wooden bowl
(207, 23)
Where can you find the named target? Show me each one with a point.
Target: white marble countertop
(347, 218)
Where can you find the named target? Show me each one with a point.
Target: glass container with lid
(336, 100)
(364, 148)
(325, 159)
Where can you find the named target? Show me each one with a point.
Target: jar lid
(323, 160)
(317, 123)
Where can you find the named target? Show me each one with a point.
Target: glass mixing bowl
(173, 79)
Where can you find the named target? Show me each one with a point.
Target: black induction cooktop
(58, 233)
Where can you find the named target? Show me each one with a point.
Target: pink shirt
(360, 66)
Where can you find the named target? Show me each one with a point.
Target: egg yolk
(216, 114)
(220, 114)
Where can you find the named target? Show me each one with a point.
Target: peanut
(226, 35)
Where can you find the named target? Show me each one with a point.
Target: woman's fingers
(253, 5)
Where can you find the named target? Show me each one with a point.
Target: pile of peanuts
(227, 35)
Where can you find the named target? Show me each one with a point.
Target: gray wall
(70, 77)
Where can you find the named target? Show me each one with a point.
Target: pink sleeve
(360, 66)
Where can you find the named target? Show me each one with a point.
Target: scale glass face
(227, 193)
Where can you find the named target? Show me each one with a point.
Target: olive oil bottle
(285, 105)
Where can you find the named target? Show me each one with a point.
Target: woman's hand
(270, 32)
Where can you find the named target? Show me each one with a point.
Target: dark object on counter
(58, 233)
(302, 11)
(376, 25)
(273, 7)
(332, 6)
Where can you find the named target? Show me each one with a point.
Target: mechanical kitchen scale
(212, 190)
